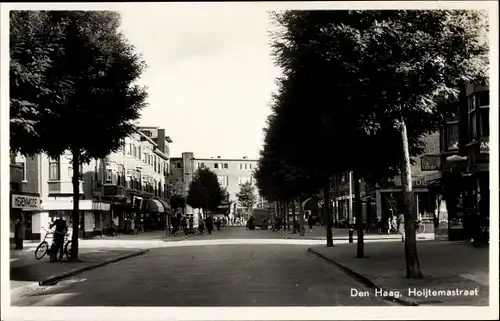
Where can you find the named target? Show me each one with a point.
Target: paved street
(210, 275)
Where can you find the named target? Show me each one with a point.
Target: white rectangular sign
(26, 203)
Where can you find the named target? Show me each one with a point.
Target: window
(483, 99)
(452, 136)
(23, 164)
(241, 166)
(484, 115)
(246, 166)
(178, 165)
(216, 165)
(226, 165)
(109, 176)
(472, 126)
(223, 180)
(54, 169)
(250, 166)
(243, 180)
(202, 165)
(472, 103)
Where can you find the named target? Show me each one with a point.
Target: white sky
(210, 75)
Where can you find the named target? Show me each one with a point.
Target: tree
(246, 196)
(176, 191)
(89, 80)
(205, 191)
(365, 74)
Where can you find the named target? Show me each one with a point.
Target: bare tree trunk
(326, 199)
(301, 218)
(294, 220)
(359, 217)
(412, 263)
(75, 162)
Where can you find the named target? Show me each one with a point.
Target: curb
(361, 278)
(55, 279)
(343, 238)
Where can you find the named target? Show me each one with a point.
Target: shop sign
(26, 203)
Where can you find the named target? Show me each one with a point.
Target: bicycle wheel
(421, 229)
(67, 250)
(41, 250)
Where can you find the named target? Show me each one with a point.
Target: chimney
(245, 157)
(218, 156)
(161, 140)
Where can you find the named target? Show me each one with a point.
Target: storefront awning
(165, 206)
(155, 206)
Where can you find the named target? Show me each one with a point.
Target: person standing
(18, 234)
(60, 232)
(310, 222)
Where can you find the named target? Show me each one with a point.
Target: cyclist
(59, 233)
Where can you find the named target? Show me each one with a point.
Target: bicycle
(43, 248)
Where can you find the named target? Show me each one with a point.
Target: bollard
(351, 233)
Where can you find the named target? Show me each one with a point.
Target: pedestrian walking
(310, 222)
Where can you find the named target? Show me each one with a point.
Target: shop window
(54, 169)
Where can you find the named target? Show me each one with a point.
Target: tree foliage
(367, 86)
(205, 191)
(176, 191)
(77, 91)
(246, 195)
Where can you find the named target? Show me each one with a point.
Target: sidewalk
(445, 266)
(319, 233)
(141, 240)
(27, 272)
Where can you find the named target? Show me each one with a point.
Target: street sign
(430, 163)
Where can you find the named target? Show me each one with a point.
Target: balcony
(112, 190)
(63, 187)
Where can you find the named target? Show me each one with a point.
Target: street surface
(211, 275)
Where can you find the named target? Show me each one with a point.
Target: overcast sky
(210, 75)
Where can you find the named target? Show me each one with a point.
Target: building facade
(459, 172)
(231, 173)
(127, 184)
(380, 200)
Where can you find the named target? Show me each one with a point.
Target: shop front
(154, 215)
(24, 208)
(91, 218)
